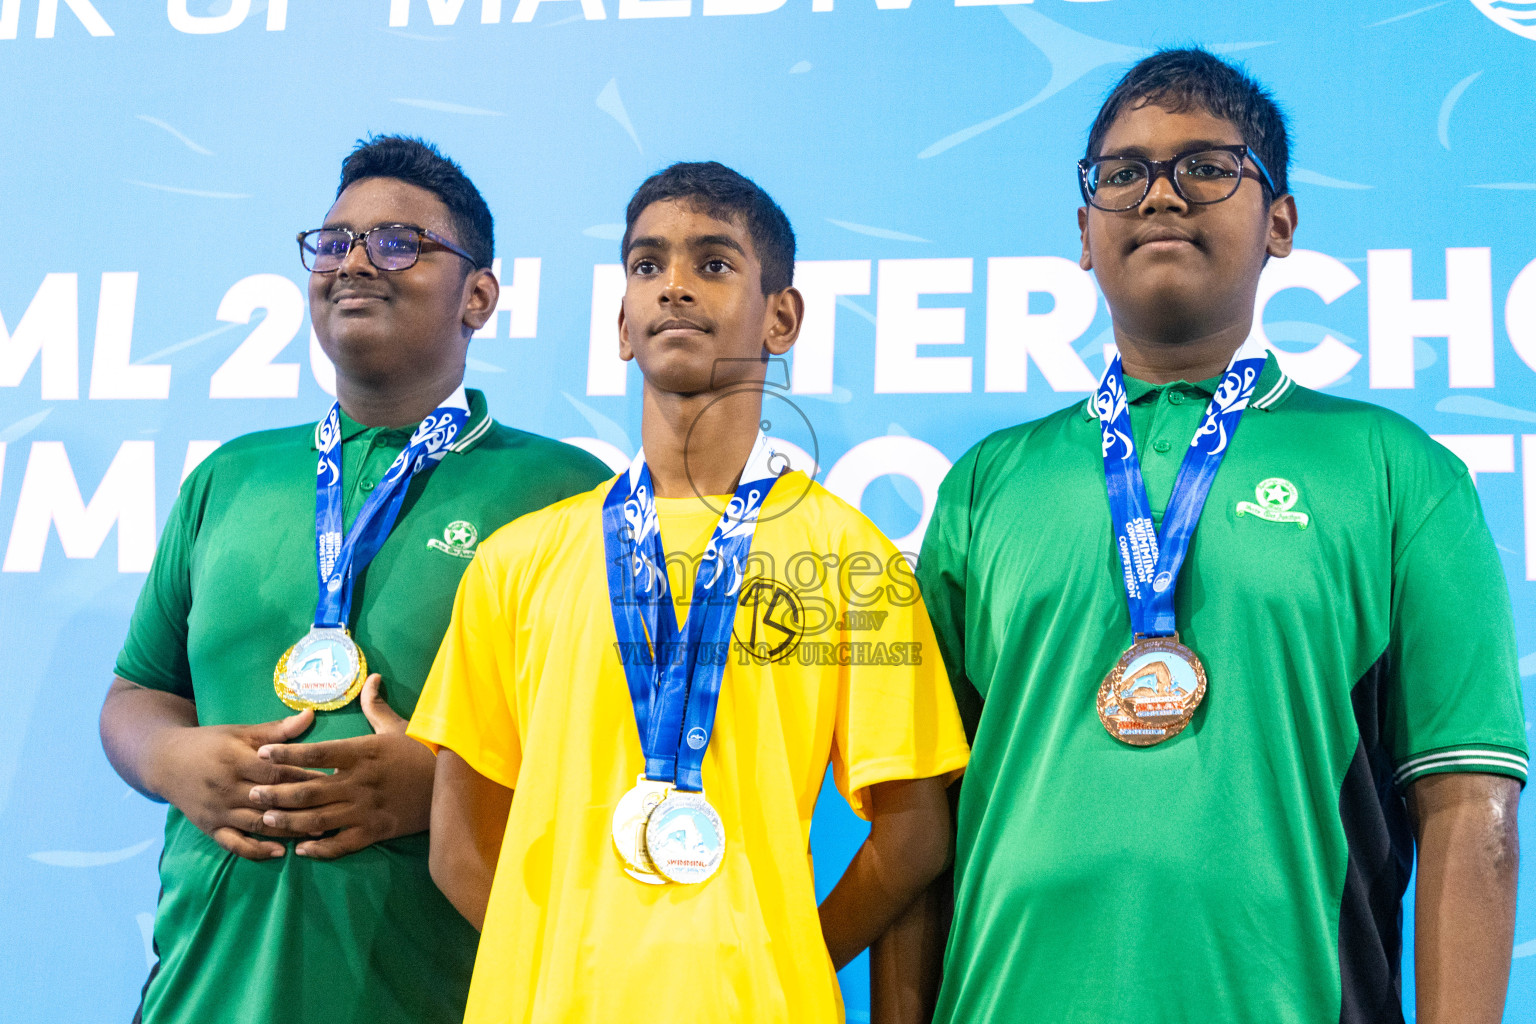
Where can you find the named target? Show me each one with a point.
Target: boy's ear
(481, 291)
(626, 351)
(1084, 260)
(786, 312)
(1282, 226)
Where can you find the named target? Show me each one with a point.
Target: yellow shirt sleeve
(469, 702)
(896, 712)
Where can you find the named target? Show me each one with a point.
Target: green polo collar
(1272, 388)
(478, 425)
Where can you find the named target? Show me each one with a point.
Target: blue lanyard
(339, 558)
(674, 679)
(1152, 560)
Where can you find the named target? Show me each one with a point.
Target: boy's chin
(691, 375)
(678, 378)
(1173, 308)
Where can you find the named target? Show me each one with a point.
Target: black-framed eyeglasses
(389, 247)
(1203, 176)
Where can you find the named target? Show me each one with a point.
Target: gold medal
(323, 671)
(685, 838)
(629, 817)
(1152, 692)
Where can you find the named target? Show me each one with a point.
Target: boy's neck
(395, 404)
(1162, 360)
(698, 444)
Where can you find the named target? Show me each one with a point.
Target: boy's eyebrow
(645, 242)
(387, 222)
(721, 241)
(1187, 146)
(694, 242)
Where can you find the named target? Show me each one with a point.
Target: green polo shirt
(1345, 597)
(366, 937)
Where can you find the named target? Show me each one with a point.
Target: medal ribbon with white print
(339, 556)
(674, 680)
(1152, 560)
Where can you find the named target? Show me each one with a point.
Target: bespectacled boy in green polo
(1226, 647)
(263, 703)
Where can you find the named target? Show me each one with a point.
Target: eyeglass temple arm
(1268, 179)
(440, 240)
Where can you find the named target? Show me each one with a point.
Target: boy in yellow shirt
(624, 788)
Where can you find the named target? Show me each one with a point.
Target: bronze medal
(1152, 692)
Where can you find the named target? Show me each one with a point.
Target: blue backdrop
(158, 158)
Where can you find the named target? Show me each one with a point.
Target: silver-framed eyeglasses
(1201, 177)
(389, 247)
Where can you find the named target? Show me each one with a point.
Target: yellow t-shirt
(833, 660)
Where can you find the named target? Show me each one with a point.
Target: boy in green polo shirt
(1197, 782)
(289, 894)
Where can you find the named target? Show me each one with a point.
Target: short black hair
(717, 191)
(418, 162)
(1183, 79)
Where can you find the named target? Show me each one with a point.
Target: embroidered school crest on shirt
(1277, 496)
(458, 540)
